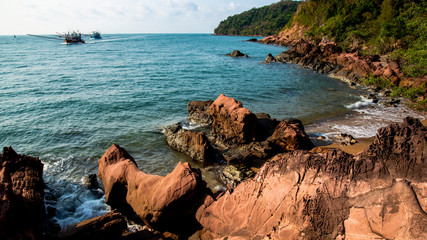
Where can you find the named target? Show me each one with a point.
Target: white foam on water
(364, 102)
(84, 209)
(362, 122)
(191, 125)
(66, 193)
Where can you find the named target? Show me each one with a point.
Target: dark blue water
(68, 103)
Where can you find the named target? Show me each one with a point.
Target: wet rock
(232, 175)
(247, 152)
(392, 102)
(147, 234)
(346, 139)
(22, 209)
(194, 144)
(252, 40)
(91, 182)
(270, 58)
(198, 111)
(51, 229)
(373, 98)
(108, 226)
(290, 135)
(237, 53)
(331, 194)
(232, 123)
(164, 203)
(266, 126)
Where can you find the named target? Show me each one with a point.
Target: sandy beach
(361, 145)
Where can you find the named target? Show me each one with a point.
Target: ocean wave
(364, 102)
(362, 122)
(74, 209)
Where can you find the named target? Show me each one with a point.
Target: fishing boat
(96, 35)
(73, 37)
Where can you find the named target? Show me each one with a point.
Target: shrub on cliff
(266, 20)
(395, 27)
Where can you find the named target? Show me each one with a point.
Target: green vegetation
(412, 93)
(395, 27)
(266, 20)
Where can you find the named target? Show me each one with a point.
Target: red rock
(108, 226)
(400, 150)
(165, 203)
(232, 123)
(22, 210)
(290, 135)
(330, 195)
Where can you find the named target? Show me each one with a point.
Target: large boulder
(108, 226)
(22, 209)
(198, 111)
(290, 135)
(165, 203)
(401, 148)
(194, 144)
(330, 195)
(232, 123)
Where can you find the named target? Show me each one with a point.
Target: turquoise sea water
(68, 103)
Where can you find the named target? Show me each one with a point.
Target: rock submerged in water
(236, 53)
(22, 209)
(380, 193)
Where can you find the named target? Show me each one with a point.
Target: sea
(67, 104)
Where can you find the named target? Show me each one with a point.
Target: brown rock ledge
(380, 193)
(165, 203)
(22, 210)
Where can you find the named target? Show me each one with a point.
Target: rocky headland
(299, 192)
(349, 65)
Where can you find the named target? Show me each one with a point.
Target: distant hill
(267, 20)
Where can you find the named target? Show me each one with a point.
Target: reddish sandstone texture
(163, 202)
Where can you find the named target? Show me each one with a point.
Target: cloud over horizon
(112, 16)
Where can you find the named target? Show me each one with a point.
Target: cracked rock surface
(380, 193)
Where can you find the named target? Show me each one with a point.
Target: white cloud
(118, 16)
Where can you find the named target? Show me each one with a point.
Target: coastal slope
(380, 43)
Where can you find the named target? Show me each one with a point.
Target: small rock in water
(270, 58)
(321, 138)
(373, 98)
(237, 53)
(91, 181)
(252, 40)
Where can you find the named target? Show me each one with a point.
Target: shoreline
(348, 66)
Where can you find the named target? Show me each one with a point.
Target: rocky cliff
(332, 195)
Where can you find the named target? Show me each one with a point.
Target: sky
(118, 16)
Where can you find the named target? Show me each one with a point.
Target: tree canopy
(267, 20)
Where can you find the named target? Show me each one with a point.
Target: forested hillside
(267, 20)
(395, 27)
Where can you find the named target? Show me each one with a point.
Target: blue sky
(118, 16)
